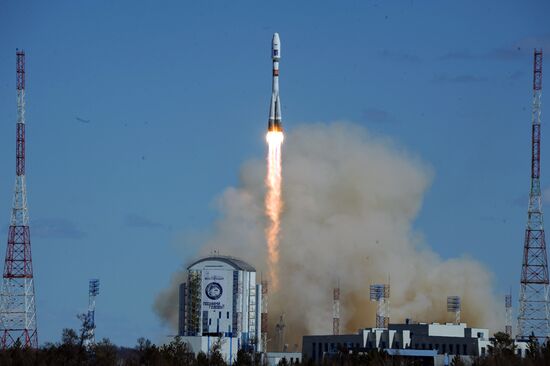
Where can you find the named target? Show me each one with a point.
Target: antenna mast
(533, 316)
(17, 304)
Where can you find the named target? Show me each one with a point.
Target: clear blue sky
(176, 95)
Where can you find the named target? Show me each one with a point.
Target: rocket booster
(274, 123)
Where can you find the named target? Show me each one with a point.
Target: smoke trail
(273, 204)
(350, 203)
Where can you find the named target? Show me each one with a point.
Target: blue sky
(176, 98)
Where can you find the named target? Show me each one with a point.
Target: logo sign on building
(216, 290)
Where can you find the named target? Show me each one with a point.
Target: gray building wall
(448, 339)
(315, 346)
(181, 317)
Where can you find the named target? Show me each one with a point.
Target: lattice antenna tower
(453, 306)
(336, 309)
(533, 316)
(381, 294)
(88, 320)
(508, 308)
(17, 302)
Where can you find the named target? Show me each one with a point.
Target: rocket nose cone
(276, 41)
(276, 47)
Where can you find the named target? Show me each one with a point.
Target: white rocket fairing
(274, 123)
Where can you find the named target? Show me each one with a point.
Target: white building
(273, 358)
(220, 304)
(432, 341)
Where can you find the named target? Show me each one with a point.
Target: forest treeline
(71, 351)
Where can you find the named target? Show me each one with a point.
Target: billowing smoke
(350, 202)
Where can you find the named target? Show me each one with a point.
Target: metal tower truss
(336, 310)
(533, 317)
(88, 320)
(381, 294)
(17, 305)
(508, 307)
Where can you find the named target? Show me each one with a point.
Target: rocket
(274, 123)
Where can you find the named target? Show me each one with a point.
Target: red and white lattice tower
(336, 310)
(533, 298)
(17, 306)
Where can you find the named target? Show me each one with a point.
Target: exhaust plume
(273, 204)
(350, 202)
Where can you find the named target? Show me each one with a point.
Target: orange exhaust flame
(273, 203)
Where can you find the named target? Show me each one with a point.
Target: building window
(383, 344)
(423, 345)
(437, 346)
(332, 346)
(396, 344)
(483, 351)
(464, 349)
(313, 349)
(228, 315)
(326, 347)
(444, 348)
(458, 349)
(430, 346)
(451, 349)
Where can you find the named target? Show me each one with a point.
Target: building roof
(236, 263)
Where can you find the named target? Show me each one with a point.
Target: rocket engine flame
(273, 203)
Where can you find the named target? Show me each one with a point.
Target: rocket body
(274, 123)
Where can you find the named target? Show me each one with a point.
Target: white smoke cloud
(350, 200)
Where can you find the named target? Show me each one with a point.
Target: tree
(69, 337)
(70, 351)
(202, 359)
(502, 344)
(148, 353)
(216, 358)
(457, 361)
(105, 353)
(244, 358)
(177, 353)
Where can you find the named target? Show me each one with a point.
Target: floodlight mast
(381, 294)
(88, 320)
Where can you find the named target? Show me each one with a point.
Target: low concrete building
(428, 341)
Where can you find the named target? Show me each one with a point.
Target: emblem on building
(213, 290)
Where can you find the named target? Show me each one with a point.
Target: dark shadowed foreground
(70, 351)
